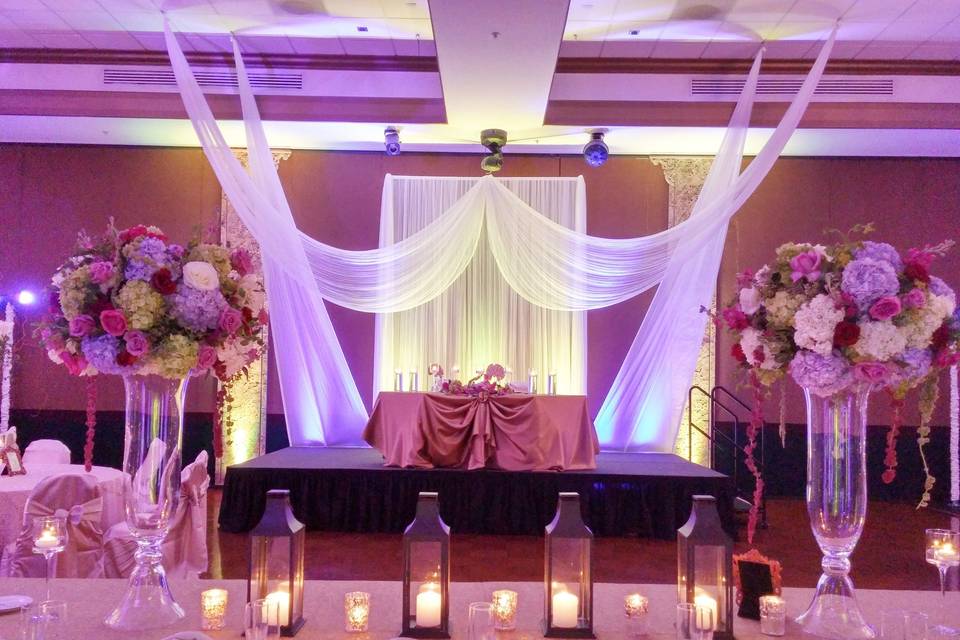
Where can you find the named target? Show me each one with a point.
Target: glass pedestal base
(147, 602)
(834, 612)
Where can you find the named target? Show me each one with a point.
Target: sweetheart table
(515, 432)
(90, 600)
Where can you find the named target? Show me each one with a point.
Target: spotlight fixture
(494, 140)
(391, 141)
(596, 151)
(26, 297)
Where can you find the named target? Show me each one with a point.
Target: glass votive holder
(213, 609)
(635, 607)
(897, 624)
(356, 610)
(505, 610)
(773, 615)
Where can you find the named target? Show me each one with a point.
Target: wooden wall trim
(737, 67)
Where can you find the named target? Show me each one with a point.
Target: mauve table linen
(515, 432)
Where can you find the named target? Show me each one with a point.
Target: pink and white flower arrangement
(856, 312)
(489, 382)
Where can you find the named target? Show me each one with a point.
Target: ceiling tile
(266, 44)
(591, 9)
(766, 11)
(734, 50)
(409, 28)
(21, 5)
(581, 48)
(119, 40)
(316, 46)
(932, 10)
(90, 20)
(368, 46)
(131, 6)
(412, 9)
(587, 30)
(17, 39)
(805, 31)
(259, 8)
(690, 30)
(36, 20)
(876, 10)
(877, 50)
(637, 31)
(61, 40)
(354, 8)
(904, 31)
(856, 31)
(182, 7)
(139, 20)
(676, 49)
(738, 32)
(815, 10)
(935, 52)
(644, 10)
(73, 5)
(627, 49)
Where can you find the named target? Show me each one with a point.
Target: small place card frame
(755, 575)
(11, 463)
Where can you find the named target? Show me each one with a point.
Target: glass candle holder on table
(213, 609)
(481, 621)
(897, 624)
(943, 552)
(356, 611)
(505, 609)
(49, 539)
(695, 622)
(635, 608)
(773, 615)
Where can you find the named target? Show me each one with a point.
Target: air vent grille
(206, 78)
(789, 86)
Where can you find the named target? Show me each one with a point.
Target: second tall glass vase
(837, 506)
(151, 466)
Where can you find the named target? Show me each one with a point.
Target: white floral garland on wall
(6, 351)
(954, 438)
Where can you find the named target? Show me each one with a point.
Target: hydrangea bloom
(823, 375)
(815, 322)
(175, 356)
(880, 251)
(195, 309)
(141, 305)
(101, 352)
(73, 292)
(215, 255)
(144, 256)
(880, 341)
(782, 307)
(916, 365)
(940, 288)
(867, 280)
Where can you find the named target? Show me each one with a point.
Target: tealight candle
(635, 606)
(429, 605)
(565, 610)
(705, 621)
(398, 380)
(773, 615)
(47, 540)
(946, 553)
(505, 610)
(356, 608)
(213, 609)
(282, 600)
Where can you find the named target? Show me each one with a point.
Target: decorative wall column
(686, 176)
(244, 404)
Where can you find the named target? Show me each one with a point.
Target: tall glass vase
(837, 506)
(151, 466)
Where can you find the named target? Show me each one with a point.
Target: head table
(90, 600)
(516, 432)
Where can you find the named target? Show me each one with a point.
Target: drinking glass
(49, 539)
(694, 623)
(943, 552)
(481, 622)
(261, 620)
(53, 617)
(898, 624)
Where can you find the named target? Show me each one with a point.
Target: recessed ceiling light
(362, 29)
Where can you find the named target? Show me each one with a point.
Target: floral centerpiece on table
(131, 302)
(489, 382)
(854, 312)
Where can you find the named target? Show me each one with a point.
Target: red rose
(126, 359)
(132, 233)
(846, 334)
(162, 281)
(917, 271)
(100, 305)
(737, 352)
(940, 337)
(758, 355)
(113, 322)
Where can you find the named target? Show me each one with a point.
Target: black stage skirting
(341, 489)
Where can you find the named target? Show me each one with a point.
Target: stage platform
(349, 489)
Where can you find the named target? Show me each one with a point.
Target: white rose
(749, 300)
(201, 275)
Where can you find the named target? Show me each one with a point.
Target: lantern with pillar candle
(276, 562)
(705, 565)
(426, 572)
(568, 578)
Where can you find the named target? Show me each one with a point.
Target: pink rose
(885, 308)
(914, 299)
(75, 363)
(206, 357)
(806, 265)
(82, 325)
(241, 261)
(101, 272)
(137, 343)
(113, 322)
(872, 372)
(735, 318)
(230, 320)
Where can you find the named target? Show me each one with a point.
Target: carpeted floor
(889, 556)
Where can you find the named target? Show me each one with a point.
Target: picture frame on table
(11, 463)
(755, 575)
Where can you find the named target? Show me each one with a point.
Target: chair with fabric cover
(46, 452)
(77, 499)
(185, 547)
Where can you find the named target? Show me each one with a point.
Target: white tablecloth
(14, 491)
(90, 600)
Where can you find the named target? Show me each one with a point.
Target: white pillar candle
(282, 600)
(552, 384)
(429, 605)
(414, 380)
(533, 381)
(565, 610)
(398, 380)
(703, 601)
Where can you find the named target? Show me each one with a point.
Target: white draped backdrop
(541, 253)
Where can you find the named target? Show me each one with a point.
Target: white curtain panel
(478, 318)
(546, 263)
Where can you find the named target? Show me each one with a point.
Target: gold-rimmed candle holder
(635, 608)
(356, 611)
(505, 609)
(213, 609)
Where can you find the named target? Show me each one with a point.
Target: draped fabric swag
(546, 263)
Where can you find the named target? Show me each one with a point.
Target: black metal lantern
(567, 573)
(276, 561)
(705, 565)
(426, 572)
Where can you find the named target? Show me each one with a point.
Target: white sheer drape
(479, 318)
(547, 264)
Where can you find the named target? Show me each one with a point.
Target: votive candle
(213, 609)
(356, 609)
(505, 609)
(635, 607)
(773, 615)
(282, 600)
(566, 607)
(429, 605)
